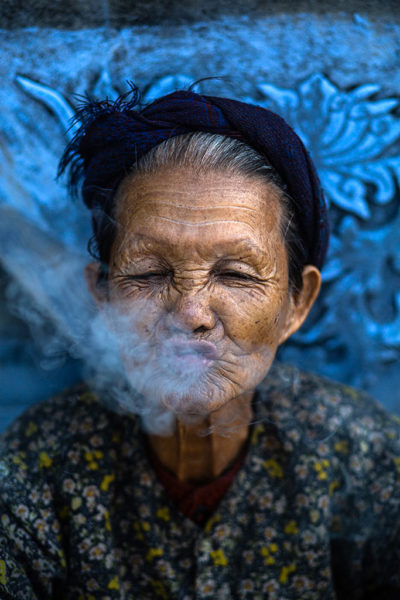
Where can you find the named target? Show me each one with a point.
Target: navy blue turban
(113, 135)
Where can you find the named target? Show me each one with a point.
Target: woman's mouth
(202, 349)
(192, 353)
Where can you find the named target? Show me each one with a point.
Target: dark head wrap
(113, 135)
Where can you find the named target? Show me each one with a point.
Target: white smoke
(50, 294)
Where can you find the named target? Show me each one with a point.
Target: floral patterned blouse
(313, 513)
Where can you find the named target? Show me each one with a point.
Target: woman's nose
(191, 312)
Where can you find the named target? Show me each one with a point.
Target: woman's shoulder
(305, 390)
(49, 430)
(328, 413)
(335, 439)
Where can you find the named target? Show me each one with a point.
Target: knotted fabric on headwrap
(114, 135)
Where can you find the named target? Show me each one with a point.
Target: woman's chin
(189, 403)
(192, 404)
(189, 409)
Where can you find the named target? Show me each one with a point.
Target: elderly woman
(238, 480)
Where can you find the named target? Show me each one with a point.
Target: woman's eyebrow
(235, 246)
(242, 246)
(139, 241)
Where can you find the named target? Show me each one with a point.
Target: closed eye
(159, 276)
(151, 275)
(148, 277)
(235, 275)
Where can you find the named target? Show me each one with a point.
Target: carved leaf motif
(53, 100)
(350, 137)
(166, 85)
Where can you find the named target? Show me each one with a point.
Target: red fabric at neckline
(197, 502)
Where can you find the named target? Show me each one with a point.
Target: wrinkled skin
(200, 257)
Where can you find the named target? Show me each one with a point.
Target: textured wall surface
(332, 73)
(77, 14)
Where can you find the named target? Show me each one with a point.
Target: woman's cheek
(254, 319)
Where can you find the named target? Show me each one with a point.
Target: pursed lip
(195, 348)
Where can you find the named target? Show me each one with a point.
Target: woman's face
(198, 293)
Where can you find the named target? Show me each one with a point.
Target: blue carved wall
(333, 76)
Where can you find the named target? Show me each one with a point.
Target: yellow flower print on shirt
(105, 484)
(267, 551)
(163, 513)
(44, 460)
(273, 467)
(292, 528)
(320, 468)
(114, 584)
(219, 558)
(285, 572)
(153, 553)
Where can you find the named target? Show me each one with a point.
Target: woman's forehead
(185, 188)
(181, 200)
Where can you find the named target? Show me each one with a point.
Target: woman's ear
(303, 302)
(97, 289)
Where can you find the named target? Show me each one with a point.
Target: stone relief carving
(353, 334)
